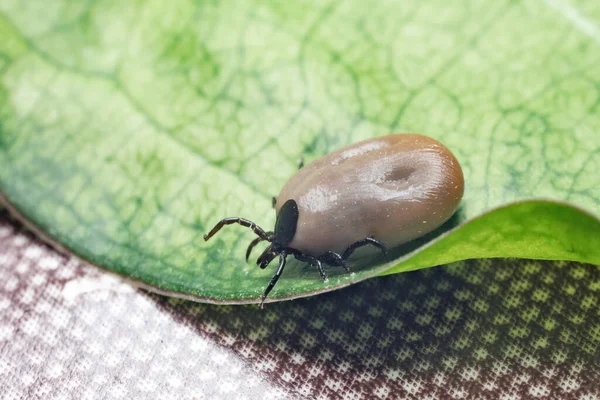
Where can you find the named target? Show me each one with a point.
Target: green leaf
(127, 129)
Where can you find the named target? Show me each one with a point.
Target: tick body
(380, 192)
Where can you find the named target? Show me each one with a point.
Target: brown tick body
(381, 192)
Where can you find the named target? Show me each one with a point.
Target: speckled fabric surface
(485, 329)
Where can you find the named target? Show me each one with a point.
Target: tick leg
(333, 258)
(275, 278)
(266, 257)
(255, 242)
(364, 242)
(236, 220)
(300, 163)
(251, 246)
(309, 259)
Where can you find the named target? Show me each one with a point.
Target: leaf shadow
(405, 328)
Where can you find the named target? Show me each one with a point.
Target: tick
(381, 192)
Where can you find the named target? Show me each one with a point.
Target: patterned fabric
(487, 329)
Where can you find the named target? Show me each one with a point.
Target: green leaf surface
(127, 129)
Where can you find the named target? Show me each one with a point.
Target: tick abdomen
(393, 188)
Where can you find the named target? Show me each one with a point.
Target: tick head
(286, 224)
